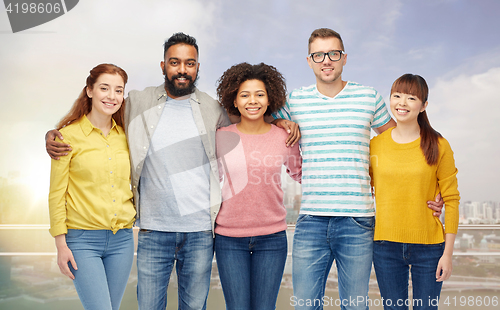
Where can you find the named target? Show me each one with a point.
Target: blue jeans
(251, 269)
(317, 242)
(392, 261)
(104, 261)
(157, 251)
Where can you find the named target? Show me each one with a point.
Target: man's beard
(178, 91)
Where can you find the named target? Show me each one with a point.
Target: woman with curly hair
(250, 232)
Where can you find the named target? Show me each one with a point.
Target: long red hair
(415, 85)
(83, 104)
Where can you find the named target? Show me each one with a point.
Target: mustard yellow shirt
(90, 187)
(403, 183)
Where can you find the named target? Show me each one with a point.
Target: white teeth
(253, 109)
(109, 104)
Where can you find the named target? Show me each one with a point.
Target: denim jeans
(393, 262)
(317, 242)
(104, 261)
(251, 269)
(157, 251)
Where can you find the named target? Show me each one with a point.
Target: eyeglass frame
(324, 55)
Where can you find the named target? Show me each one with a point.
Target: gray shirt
(175, 179)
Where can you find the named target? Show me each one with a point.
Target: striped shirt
(336, 147)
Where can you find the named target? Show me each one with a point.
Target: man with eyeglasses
(336, 218)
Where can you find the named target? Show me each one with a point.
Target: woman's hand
(445, 264)
(64, 255)
(444, 268)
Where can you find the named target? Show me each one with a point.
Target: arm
(54, 148)
(226, 119)
(283, 119)
(59, 180)
(381, 129)
(445, 267)
(64, 255)
(448, 184)
(291, 127)
(293, 163)
(235, 119)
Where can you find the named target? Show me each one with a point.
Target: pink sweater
(250, 168)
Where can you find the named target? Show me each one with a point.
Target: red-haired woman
(410, 164)
(90, 201)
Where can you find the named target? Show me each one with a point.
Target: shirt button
(112, 186)
(110, 158)
(107, 145)
(111, 172)
(114, 201)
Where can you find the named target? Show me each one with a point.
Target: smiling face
(406, 107)
(107, 94)
(328, 71)
(252, 100)
(180, 68)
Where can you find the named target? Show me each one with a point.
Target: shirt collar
(87, 126)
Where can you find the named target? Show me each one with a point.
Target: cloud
(43, 70)
(465, 109)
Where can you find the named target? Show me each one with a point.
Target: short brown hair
(324, 33)
(230, 81)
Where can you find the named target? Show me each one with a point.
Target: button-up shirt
(90, 188)
(143, 110)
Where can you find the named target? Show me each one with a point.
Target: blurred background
(453, 44)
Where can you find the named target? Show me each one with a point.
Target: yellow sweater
(403, 183)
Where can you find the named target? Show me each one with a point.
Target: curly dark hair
(230, 81)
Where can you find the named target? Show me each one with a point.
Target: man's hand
(436, 205)
(56, 149)
(291, 127)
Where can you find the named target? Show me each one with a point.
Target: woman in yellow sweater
(90, 201)
(410, 164)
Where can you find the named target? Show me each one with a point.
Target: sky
(453, 44)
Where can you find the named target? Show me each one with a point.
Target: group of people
(200, 175)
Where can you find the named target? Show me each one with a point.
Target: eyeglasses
(334, 55)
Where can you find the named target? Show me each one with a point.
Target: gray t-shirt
(175, 181)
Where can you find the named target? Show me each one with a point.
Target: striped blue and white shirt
(336, 147)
